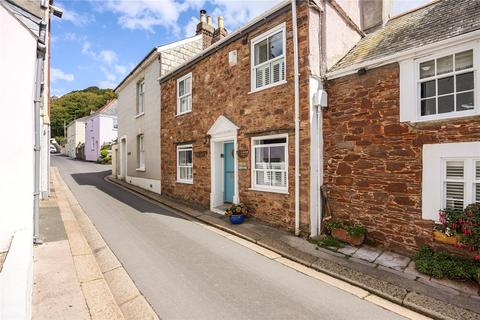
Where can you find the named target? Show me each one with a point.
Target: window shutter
(455, 192)
(267, 75)
(277, 71)
(259, 77)
(477, 182)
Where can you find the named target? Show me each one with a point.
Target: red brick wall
(373, 163)
(220, 89)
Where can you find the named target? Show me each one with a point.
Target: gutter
(41, 50)
(297, 118)
(403, 55)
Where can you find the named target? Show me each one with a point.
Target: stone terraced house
(138, 113)
(402, 129)
(237, 125)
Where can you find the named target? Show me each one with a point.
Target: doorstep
(389, 275)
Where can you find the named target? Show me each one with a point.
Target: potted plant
(353, 235)
(237, 213)
(446, 231)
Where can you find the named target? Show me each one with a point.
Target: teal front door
(229, 176)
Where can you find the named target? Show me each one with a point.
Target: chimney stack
(374, 14)
(220, 32)
(205, 28)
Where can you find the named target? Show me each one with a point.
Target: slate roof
(439, 20)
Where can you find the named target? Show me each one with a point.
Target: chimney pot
(209, 20)
(203, 16)
(220, 22)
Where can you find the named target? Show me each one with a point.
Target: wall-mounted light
(206, 139)
(361, 71)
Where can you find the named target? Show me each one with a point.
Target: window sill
(139, 115)
(446, 117)
(184, 182)
(268, 87)
(269, 190)
(181, 114)
(140, 169)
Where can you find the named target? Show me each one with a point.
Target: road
(186, 271)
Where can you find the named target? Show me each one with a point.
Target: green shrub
(356, 230)
(334, 224)
(443, 265)
(104, 153)
(330, 241)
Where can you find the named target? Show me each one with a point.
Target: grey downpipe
(41, 49)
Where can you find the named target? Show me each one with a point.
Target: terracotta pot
(443, 238)
(342, 235)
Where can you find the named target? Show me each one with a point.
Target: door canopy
(222, 126)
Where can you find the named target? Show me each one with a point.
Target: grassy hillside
(76, 104)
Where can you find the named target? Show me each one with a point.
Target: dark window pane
(464, 60)
(446, 104)
(427, 69)
(276, 45)
(261, 52)
(465, 81)
(445, 85)
(465, 101)
(428, 89)
(428, 107)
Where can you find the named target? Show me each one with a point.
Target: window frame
(273, 189)
(279, 28)
(469, 179)
(183, 78)
(476, 83)
(140, 84)
(140, 152)
(183, 147)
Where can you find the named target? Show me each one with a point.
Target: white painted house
(23, 68)
(100, 128)
(75, 136)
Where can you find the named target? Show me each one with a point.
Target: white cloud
(106, 84)
(190, 28)
(400, 6)
(76, 18)
(108, 56)
(57, 74)
(121, 70)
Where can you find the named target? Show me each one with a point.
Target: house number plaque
(242, 153)
(242, 166)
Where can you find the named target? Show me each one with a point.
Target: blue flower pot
(237, 218)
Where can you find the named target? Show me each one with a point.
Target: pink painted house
(100, 128)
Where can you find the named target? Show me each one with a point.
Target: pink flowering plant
(465, 224)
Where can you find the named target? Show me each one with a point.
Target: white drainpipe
(297, 118)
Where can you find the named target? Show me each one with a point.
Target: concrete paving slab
(121, 286)
(467, 287)
(51, 224)
(106, 259)
(100, 301)
(367, 253)
(78, 244)
(400, 273)
(56, 290)
(348, 250)
(364, 262)
(392, 260)
(138, 309)
(437, 285)
(87, 268)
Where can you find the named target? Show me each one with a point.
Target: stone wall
(373, 163)
(221, 89)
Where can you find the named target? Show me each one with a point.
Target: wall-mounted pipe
(297, 118)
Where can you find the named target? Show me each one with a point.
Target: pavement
(187, 269)
(76, 276)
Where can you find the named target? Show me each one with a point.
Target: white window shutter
(259, 77)
(408, 92)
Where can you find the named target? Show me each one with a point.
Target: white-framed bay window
(270, 163)
(140, 153)
(185, 163)
(442, 85)
(184, 94)
(268, 53)
(451, 177)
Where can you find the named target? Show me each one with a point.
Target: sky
(98, 42)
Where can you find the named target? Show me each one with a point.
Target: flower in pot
(237, 213)
(353, 235)
(446, 231)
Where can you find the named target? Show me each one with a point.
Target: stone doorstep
(108, 289)
(365, 255)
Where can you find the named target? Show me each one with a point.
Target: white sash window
(268, 58)
(185, 164)
(184, 94)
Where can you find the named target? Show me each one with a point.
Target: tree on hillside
(76, 104)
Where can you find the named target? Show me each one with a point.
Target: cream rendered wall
(148, 124)
(17, 81)
(340, 36)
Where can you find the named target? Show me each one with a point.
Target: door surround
(223, 130)
(123, 158)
